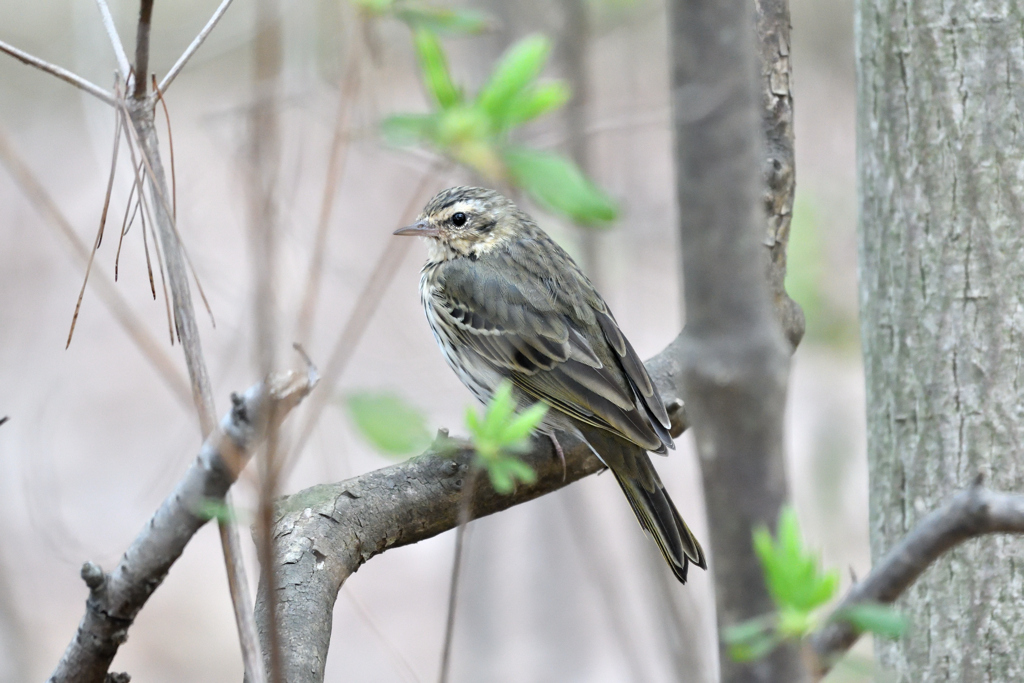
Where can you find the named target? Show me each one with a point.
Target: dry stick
(465, 515)
(116, 598)
(147, 108)
(971, 513)
(127, 222)
(150, 348)
(63, 74)
(115, 39)
(264, 150)
(335, 164)
(140, 176)
(366, 304)
(193, 46)
(140, 110)
(103, 222)
(170, 151)
(141, 67)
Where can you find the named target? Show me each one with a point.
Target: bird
(506, 303)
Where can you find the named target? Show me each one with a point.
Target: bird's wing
(526, 329)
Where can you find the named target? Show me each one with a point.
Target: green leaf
(407, 129)
(516, 69)
(389, 423)
(434, 65)
(443, 20)
(523, 424)
(556, 182)
(879, 619)
(535, 103)
(793, 573)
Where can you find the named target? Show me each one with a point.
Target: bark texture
(734, 358)
(941, 178)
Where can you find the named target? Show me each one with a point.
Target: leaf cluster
(500, 434)
(799, 587)
(475, 130)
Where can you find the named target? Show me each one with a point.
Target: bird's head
(466, 221)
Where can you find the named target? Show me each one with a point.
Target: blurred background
(553, 590)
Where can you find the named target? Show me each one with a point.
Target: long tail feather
(650, 501)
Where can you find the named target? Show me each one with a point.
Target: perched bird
(505, 302)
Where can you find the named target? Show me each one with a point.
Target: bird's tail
(650, 502)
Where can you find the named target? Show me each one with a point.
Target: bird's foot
(559, 452)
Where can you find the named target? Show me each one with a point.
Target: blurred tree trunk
(941, 190)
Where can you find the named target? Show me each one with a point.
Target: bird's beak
(418, 229)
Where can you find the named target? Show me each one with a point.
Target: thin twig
(150, 348)
(126, 224)
(142, 48)
(366, 304)
(103, 222)
(140, 177)
(61, 73)
(465, 515)
(340, 144)
(160, 190)
(193, 46)
(170, 152)
(264, 151)
(115, 40)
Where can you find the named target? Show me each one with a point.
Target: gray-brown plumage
(505, 302)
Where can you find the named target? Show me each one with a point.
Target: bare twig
(465, 515)
(263, 157)
(150, 348)
(193, 46)
(103, 222)
(63, 74)
(971, 513)
(366, 304)
(142, 48)
(170, 152)
(116, 598)
(115, 40)
(335, 165)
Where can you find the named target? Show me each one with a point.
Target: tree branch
(325, 533)
(193, 46)
(116, 598)
(61, 73)
(779, 169)
(971, 513)
(115, 40)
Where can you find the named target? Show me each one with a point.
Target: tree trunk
(941, 190)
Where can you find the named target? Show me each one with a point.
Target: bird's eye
(458, 219)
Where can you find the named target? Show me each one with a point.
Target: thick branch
(779, 168)
(116, 598)
(971, 513)
(324, 534)
(733, 355)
